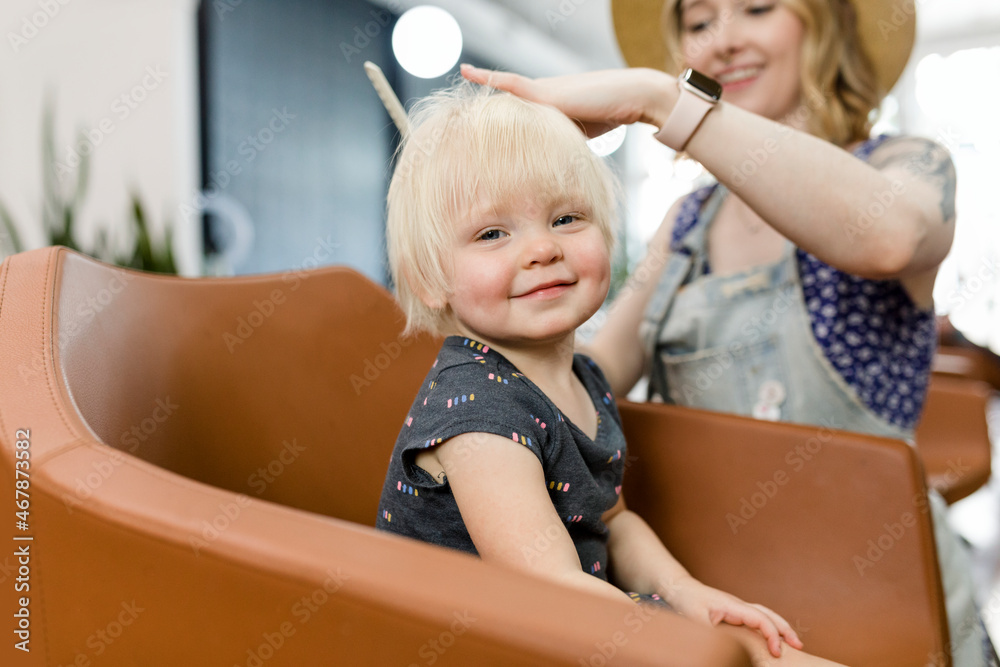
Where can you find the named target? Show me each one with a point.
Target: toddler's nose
(542, 249)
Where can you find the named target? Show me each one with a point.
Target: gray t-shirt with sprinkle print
(474, 389)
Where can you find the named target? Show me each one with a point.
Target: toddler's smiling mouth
(547, 289)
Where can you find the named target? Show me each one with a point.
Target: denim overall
(743, 343)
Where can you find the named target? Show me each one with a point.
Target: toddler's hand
(695, 600)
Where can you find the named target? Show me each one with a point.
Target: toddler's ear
(433, 301)
(428, 295)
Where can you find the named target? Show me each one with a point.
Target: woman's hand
(693, 599)
(599, 101)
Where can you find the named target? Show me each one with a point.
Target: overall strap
(685, 262)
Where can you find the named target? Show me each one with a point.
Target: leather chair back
(829, 528)
(290, 388)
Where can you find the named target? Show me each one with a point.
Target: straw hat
(886, 29)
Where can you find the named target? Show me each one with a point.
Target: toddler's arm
(499, 487)
(640, 562)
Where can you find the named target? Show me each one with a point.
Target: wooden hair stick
(388, 97)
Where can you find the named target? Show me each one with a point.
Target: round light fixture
(427, 41)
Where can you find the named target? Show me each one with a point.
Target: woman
(800, 286)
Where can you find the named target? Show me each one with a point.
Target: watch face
(709, 87)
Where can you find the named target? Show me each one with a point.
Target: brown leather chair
(967, 361)
(206, 458)
(953, 436)
(827, 527)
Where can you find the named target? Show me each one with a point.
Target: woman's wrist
(661, 96)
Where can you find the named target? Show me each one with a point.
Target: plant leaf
(11, 236)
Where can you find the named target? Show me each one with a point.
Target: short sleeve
(475, 397)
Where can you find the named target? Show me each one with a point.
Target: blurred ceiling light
(609, 142)
(427, 41)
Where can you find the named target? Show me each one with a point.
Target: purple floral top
(869, 330)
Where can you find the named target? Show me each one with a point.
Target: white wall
(86, 55)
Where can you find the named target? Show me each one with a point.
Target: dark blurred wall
(293, 132)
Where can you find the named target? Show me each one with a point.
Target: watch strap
(684, 119)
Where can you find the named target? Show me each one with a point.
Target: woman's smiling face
(752, 47)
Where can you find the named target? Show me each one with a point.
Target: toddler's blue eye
(565, 220)
(491, 235)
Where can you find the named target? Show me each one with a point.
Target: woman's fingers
(544, 91)
(519, 85)
(599, 101)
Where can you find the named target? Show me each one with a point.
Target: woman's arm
(500, 490)
(639, 562)
(893, 218)
(890, 218)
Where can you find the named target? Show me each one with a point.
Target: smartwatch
(699, 94)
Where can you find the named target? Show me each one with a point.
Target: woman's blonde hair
(839, 87)
(469, 145)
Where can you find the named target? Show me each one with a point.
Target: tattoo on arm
(922, 160)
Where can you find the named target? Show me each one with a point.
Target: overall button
(771, 392)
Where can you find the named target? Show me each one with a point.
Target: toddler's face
(527, 271)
